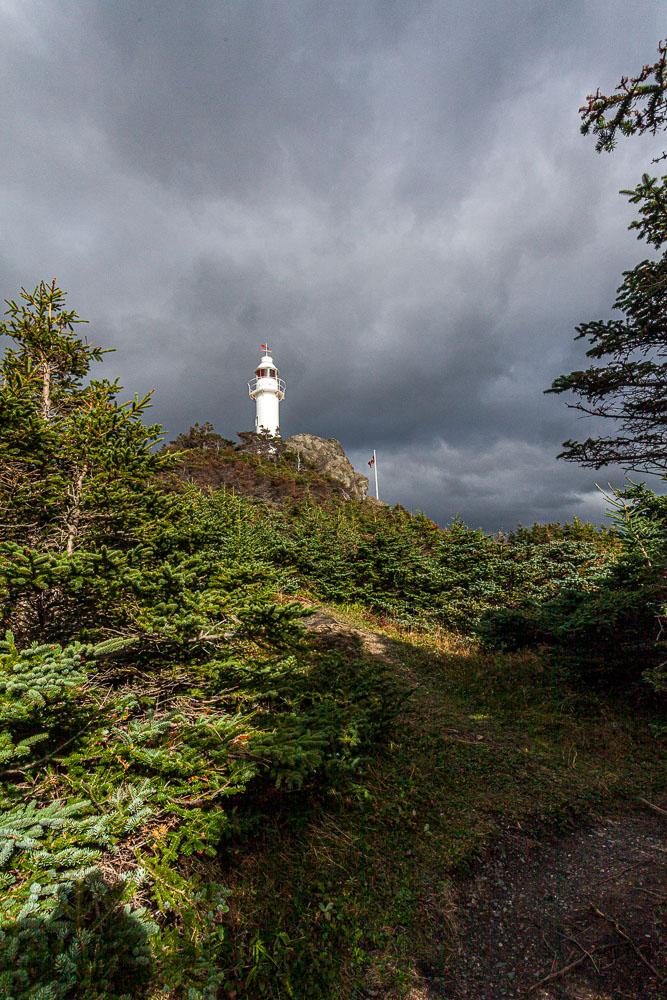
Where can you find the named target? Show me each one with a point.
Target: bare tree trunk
(46, 391)
(74, 513)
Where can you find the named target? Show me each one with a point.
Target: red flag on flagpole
(374, 466)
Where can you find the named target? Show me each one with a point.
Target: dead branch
(653, 806)
(626, 937)
(557, 973)
(580, 946)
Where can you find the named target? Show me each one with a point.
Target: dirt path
(337, 635)
(583, 918)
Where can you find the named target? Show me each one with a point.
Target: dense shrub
(406, 566)
(610, 631)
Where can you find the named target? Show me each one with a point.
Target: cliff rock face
(327, 455)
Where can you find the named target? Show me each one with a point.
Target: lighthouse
(267, 390)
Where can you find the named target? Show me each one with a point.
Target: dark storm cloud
(395, 195)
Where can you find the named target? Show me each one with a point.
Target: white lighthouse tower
(267, 390)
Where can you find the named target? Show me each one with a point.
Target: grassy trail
(356, 895)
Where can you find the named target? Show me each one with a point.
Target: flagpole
(375, 470)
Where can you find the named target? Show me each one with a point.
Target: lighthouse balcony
(275, 385)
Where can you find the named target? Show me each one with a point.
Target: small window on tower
(272, 373)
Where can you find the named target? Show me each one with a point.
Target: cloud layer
(396, 195)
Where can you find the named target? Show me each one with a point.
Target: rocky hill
(272, 470)
(328, 457)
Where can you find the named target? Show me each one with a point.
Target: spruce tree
(74, 463)
(627, 382)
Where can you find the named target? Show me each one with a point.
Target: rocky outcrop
(327, 456)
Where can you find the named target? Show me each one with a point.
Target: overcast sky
(393, 193)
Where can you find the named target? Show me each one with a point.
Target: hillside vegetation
(251, 732)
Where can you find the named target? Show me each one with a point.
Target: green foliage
(613, 631)
(39, 675)
(609, 632)
(90, 944)
(405, 566)
(638, 105)
(39, 835)
(204, 438)
(75, 466)
(628, 388)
